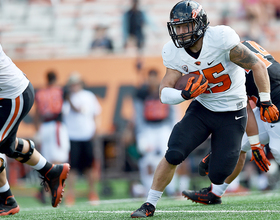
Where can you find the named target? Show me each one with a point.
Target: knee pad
(174, 157)
(3, 166)
(18, 152)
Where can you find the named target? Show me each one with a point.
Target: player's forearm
(252, 130)
(261, 77)
(252, 126)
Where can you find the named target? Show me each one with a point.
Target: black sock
(5, 195)
(45, 169)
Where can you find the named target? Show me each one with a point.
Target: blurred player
(220, 111)
(153, 123)
(258, 132)
(80, 115)
(53, 135)
(16, 100)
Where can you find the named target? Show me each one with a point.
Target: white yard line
(195, 211)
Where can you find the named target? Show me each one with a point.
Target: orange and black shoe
(146, 210)
(204, 196)
(203, 165)
(55, 179)
(9, 206)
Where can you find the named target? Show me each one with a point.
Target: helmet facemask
(188, 38)
(192, 15)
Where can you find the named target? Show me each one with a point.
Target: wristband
(171, 96)
(264, 96)
(254, 140)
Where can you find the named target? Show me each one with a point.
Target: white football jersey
(226, 80)
(12, 80)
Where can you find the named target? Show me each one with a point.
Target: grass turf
(254, 205)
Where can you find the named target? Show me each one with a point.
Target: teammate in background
(53, 135)
(220, 111)
(80, 111)
(258, 132)
(16, 100)
(153, 124)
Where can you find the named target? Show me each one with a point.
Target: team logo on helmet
(196, 11)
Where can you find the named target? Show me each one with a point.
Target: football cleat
(146, 210)
(203, 165)
(55, 179)
(204, 196)
(9, 206)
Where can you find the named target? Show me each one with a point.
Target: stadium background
(39, 35)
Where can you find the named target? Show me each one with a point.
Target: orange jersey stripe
(17, 100)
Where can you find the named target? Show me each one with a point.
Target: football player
(217, 54)
(258, 133)
(16, 100)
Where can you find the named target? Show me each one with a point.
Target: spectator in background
(274, 8)
(101, 42)
(133, 24)
(153, 123)
(258, 16)
(253, 13)
(52, 132)
(80, 111)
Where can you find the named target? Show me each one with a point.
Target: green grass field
(253, 205)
